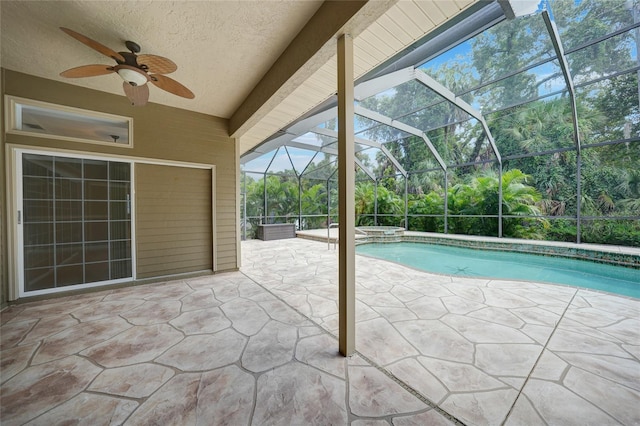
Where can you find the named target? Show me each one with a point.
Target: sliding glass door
(75, 220)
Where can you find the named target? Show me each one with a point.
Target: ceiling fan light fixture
(132, 75)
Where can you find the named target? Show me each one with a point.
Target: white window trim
(12, 120)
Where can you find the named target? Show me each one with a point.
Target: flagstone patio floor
(259, 347)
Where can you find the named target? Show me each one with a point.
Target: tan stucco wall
(160, 132)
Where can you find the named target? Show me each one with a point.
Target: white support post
(346, 201)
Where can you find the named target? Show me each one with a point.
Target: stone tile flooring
(258, 347)
(487, 352)
(213, 350)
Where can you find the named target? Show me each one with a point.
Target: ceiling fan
(136, 70)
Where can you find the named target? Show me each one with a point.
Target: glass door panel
(76, 221)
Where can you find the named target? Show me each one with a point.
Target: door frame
(14, 247)
(18, 224)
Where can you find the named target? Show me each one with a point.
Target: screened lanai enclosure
(505, 123)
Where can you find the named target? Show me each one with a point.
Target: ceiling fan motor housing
(132, 46)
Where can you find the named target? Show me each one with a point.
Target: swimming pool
(500, 264)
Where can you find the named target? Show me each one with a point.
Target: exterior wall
(173, 211)
(160, 133)
(4, 290)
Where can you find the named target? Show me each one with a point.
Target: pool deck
(486, 352)
(258, 347)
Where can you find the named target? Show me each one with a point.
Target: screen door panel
(76, 221)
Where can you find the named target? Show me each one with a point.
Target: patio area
(258, 347)
(485, 352)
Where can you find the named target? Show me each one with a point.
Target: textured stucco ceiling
(222, 48)
(260, 64)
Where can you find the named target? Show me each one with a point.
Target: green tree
(365, 202)
(427, 204)
(617, 102)
(480, 196)
(588, 20)
(282, 198)
(504, 48)
(521, 199)
(314, 202)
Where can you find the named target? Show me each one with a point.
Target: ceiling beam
(314, 45)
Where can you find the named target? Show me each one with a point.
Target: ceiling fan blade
(87, 71)
(94, 45)
(171, 86)
(138, 95)
(157, 64)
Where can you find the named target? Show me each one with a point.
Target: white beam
(451, 97)
(385, 82)
(309, 147)
(401, 126)
(331, 151)
(393, 159)
(296, 130)
(367, 142)
(333, 134)
(566, 72)
(304, 125)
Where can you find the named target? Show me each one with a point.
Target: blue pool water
(499, 264)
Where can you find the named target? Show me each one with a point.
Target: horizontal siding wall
(173, 220)
(226, 221)
(160, 133)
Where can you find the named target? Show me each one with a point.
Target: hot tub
(387, 234)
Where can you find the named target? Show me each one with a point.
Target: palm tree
(282, 198)
(479, 196)
(365, 202)
(521, 199)
(314, 202)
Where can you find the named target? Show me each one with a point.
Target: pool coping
(613, 255)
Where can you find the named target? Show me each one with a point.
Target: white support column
(346, 200)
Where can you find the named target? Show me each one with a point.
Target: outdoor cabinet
(276, 231)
